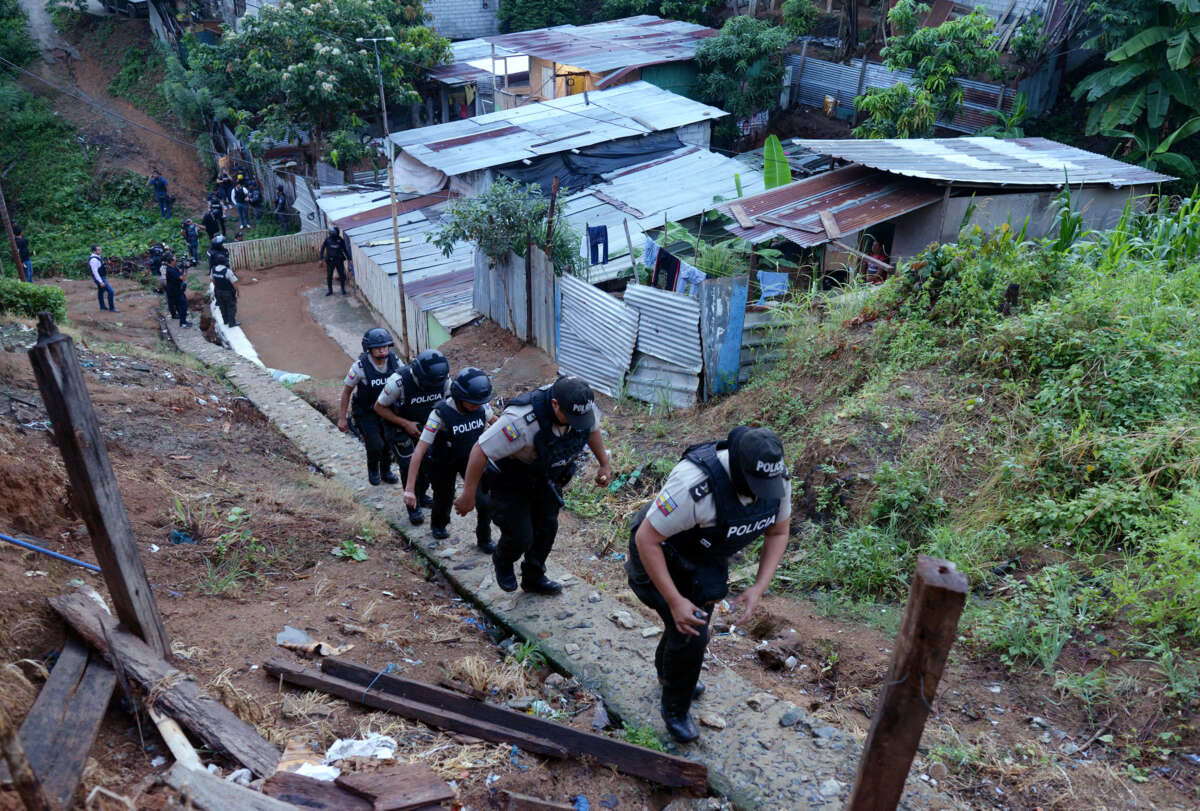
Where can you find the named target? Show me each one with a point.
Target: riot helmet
(376, 336)
(471, 385)
(333, 231)
(218, 239)
(430, 368)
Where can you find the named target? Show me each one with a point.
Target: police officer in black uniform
(225, 290)
(407, 400)
(217, 253)
(530, 453)
(334, 251)
(364, 382)
(719, 499)
(450, 432)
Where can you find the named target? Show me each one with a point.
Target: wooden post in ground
(12, 237)
(24, 780)
(93, 484)
(550, 216)
(529, 287)
(927, 632)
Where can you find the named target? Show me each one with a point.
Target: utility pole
(391, 192)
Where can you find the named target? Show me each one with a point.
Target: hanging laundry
(597, 236)
(772, 284)
(666, 270)
(650, 254)
(689, 279)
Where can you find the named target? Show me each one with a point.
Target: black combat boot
(697, 691)
(386, 474)
(679, 723)
(373, 473)
(542, 585)
(506, 578)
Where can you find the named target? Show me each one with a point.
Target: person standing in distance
(191, 236)
(225, 291)
(217, 253)
(100, 279)
(176, 278)
(450, 432)
(23, 253)
(720, 498)
(159, 184)
(408, 399)
(530, 453)
(365, 381)
(334, 251)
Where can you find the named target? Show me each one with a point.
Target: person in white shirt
(100, 278)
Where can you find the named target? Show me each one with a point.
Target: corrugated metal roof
(996, 162)
(596, 336)
(421, 258)
(628, 43)
(384, 211)
(668, 326)
(857, 196)
(544, 128)
(448, 297)
(681, 185)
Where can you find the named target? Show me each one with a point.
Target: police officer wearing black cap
(449, 434)
(407, 400)
(364, 382)
(530, 454)
(718, 499)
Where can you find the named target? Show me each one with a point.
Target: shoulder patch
(530, 418)
(701, 490)
(510, 433)
(665, 504)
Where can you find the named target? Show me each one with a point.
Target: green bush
(905, 501)
(24, 299)
(16, 45)
(799, 16)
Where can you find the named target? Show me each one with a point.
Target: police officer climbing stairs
(362, 385)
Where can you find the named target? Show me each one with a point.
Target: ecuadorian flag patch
(665, 504)
(510, 433)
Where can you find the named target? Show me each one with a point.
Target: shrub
(799, 16)
(22, 298)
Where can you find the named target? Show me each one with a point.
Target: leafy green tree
(937, 57)
(1151, 148)
(1009, 125)
(741, 67)
(525, 15)
(692, 11)
(799, 16)
(296, 68)
(16, 45)
(1150, 84)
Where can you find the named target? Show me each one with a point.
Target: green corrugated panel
(678, 77)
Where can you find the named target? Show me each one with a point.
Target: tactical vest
(217, 257)
(335, 249)
(556, 453)
(738, 525)
(457, 434)
(367, 391)
(418, 400)
(220, 280)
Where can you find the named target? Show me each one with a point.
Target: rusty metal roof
(857, 197)
(1017, 162)
(631, 42)
(544, 128)
(384, 212)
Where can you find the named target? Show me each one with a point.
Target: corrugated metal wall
(382, 293)
(490, 299)
(596, 336)
(763, 341)
(669, 361)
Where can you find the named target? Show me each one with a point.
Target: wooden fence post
(93, 484)
(927, 632)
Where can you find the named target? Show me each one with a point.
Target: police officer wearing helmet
(217, 254)
(334, 251)
(719, 498)
(530, 454)
(445, 445)
(364, 382)
(407, 400)
(225, 291)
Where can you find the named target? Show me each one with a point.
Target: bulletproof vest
(335, 249)
(418, 400)
(458, 433)
(220, 280)
(156, 258)
(191, 233)
(556, 453)
(103, 267)
(737, 525)
(367, 391)
(177, 282)
(217, 257)
(254, 195)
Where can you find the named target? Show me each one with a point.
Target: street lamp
(391, 191)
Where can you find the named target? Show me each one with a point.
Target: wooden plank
(169, 688)
(172, 735)
(401, 788)
(927, 632)
(830, 223)
(417, 710)
(523, 802)
(25, 781)
(94, 490)
(771, 219)
(739, 214)
(865, 257)
(664, 769)
(210, 793)
(308, 792)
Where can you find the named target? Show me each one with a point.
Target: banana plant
(776, 170)
(1145, 148)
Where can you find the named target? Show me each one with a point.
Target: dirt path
(274, 314)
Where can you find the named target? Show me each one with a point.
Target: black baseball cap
(575, 399)
(758, 452)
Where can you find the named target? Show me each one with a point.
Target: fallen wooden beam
(426, 713)
(739, 214)
(207, 792)
(406, 787)
(169, 689)
(795, 226)
(829, 221)
(309, 792)
(927, 632)
(29, 789)
(871, 260)
(515, 801)
(61, 727)
(638, 761)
